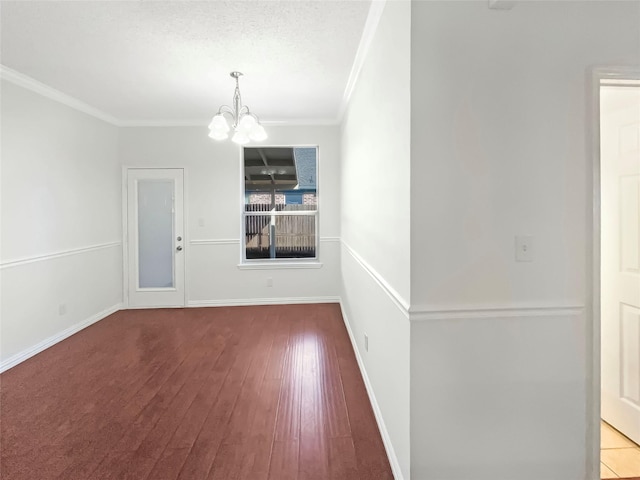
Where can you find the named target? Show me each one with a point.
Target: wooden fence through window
(295, 235)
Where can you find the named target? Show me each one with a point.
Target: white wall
(213, 195)
(375, 154)
(375, 210)
(499, 145)
(499, 148)
(60, 220)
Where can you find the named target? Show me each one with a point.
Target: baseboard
(238, 302)
(386, 439)
(58, 337)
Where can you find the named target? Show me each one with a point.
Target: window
(280, 216)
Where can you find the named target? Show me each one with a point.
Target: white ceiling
(146, 62)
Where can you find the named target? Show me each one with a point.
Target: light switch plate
(524, 248)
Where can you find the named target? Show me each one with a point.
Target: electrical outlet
(269, 282)
(366, 342)
(524, 248)
(62, 309)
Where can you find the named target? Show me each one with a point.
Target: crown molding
(302, 122)
(370, 27)
(188, 122)
(40, 88)
(203, 122)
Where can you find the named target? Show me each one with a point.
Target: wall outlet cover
(524, 248)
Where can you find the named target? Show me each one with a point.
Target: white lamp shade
(219, 123)
(240, 137)
(246, 123)
(257, 133)
(218, 135)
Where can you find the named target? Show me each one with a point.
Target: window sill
(278, 265)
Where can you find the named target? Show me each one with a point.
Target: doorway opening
(617, 281)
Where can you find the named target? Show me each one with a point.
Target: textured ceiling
(155, 61)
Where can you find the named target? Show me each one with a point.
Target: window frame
(267, 263)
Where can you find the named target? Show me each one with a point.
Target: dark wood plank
(314, 449)
(284, 463)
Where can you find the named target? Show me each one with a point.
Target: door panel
(629, 225)
(620, 255)
(155, 237)
(630, 367)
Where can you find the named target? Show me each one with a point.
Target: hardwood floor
(213, 393)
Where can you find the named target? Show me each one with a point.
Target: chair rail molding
(421, 313)
(397, 299)
(215, 241)
(64, 253)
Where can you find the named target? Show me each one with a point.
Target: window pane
(256, 231)
(279, 180)
(155, 233)
(295, 236)
(280, 236)
(277, 177)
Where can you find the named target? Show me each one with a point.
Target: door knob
(179, 248)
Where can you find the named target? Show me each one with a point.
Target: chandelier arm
(245, 111)
(226, 109)
(255, 116)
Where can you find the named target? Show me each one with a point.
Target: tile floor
(619, 456)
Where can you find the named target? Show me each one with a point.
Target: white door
(155, 243)
(620, 254)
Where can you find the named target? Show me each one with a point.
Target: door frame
(597, 74)
(125, 233)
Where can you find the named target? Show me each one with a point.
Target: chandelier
(245, 124)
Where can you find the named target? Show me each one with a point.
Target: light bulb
(240, 137)
(218, 135)
(257, 133)
(219, 123)
(246, 123)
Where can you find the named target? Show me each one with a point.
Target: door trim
(597, 74)
(126, 304)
